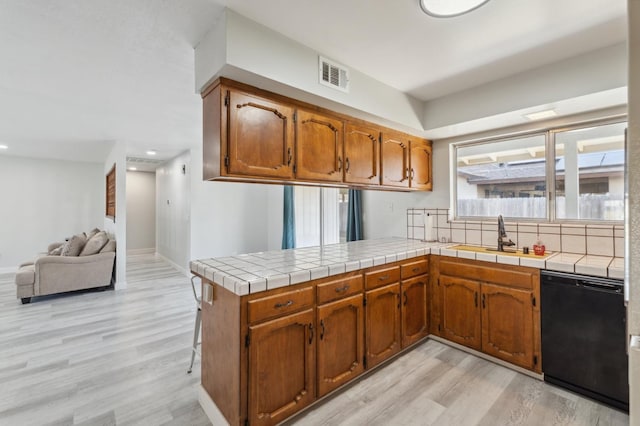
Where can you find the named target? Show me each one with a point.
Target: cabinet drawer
(279, 304)
(337, 289)
(413, 269)
(382, 277)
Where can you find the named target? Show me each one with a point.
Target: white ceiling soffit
(428, 57)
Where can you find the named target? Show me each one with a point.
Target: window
(565, 174)
(589, 173)
(504, 177)
(310, 225)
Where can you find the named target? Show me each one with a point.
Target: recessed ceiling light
(4, 147)
(151, 152)
(133, 169)
(541, 114)
(449, 8)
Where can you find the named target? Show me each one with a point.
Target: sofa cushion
(109, 247)
(91, 233)
(74, 246)
(95, 244)
(26, 275)
(56, 251)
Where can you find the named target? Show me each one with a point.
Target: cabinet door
(461, 311)
(281, 367)
(260, 136)
(340, 342)
(318, 147)
(415, 323)
(382, 323)
(394, 165)
(421, 174)
(507, 324)
(361, 154)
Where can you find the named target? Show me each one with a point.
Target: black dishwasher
(584, 336)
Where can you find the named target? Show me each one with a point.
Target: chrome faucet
(503, 240)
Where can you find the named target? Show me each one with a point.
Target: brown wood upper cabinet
(395, 159)
(319, 154)
(361, 154)
(251, 135)
(261, 136)
(421, 175)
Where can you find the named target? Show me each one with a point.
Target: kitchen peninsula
(282, 329)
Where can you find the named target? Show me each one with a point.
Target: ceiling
(77, 75)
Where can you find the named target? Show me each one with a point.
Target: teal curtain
(354, 216)
(288, 219)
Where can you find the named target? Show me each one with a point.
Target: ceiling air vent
(334, 75)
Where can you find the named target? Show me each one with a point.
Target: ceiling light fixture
(151, 152)
(133, 169)
(548, 113)
(4, 147)
(449, 8)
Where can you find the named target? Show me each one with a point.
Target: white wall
(385, 213)
(597, 71)
(255, 54)
(230, 218)
(173, 210)
(44, 201)
(633, 155)
(141, 211)
(118, 228)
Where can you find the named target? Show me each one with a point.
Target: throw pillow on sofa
(74, 246)
(56, 251)
(91, 233)
(95, 244)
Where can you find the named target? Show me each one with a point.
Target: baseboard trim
(9, 270)
(182, 270)
(210, 408)
(134, 252)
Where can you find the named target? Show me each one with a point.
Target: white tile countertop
(256, 272)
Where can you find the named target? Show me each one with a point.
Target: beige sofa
(51, 274)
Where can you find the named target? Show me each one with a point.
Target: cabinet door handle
(322, 331)
(342, 289)
(383, 277)
(405, 298)
(347, 164)
(413, 174)
(398, 294)
(475, 298)
(310, 333)
(483, 304)
(339, 163)
(289, 156)
(283, 305)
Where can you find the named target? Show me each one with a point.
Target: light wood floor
(107, 358)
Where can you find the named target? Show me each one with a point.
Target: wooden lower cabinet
(488, 307)
(281, 367)
(340, 342)
(415, 318)
(460, 311)
(507, 324)
(382, 313)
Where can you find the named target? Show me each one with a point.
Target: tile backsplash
(592, 239)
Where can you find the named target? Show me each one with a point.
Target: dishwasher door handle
(609, 288)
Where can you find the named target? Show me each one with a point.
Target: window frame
(549, 133)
